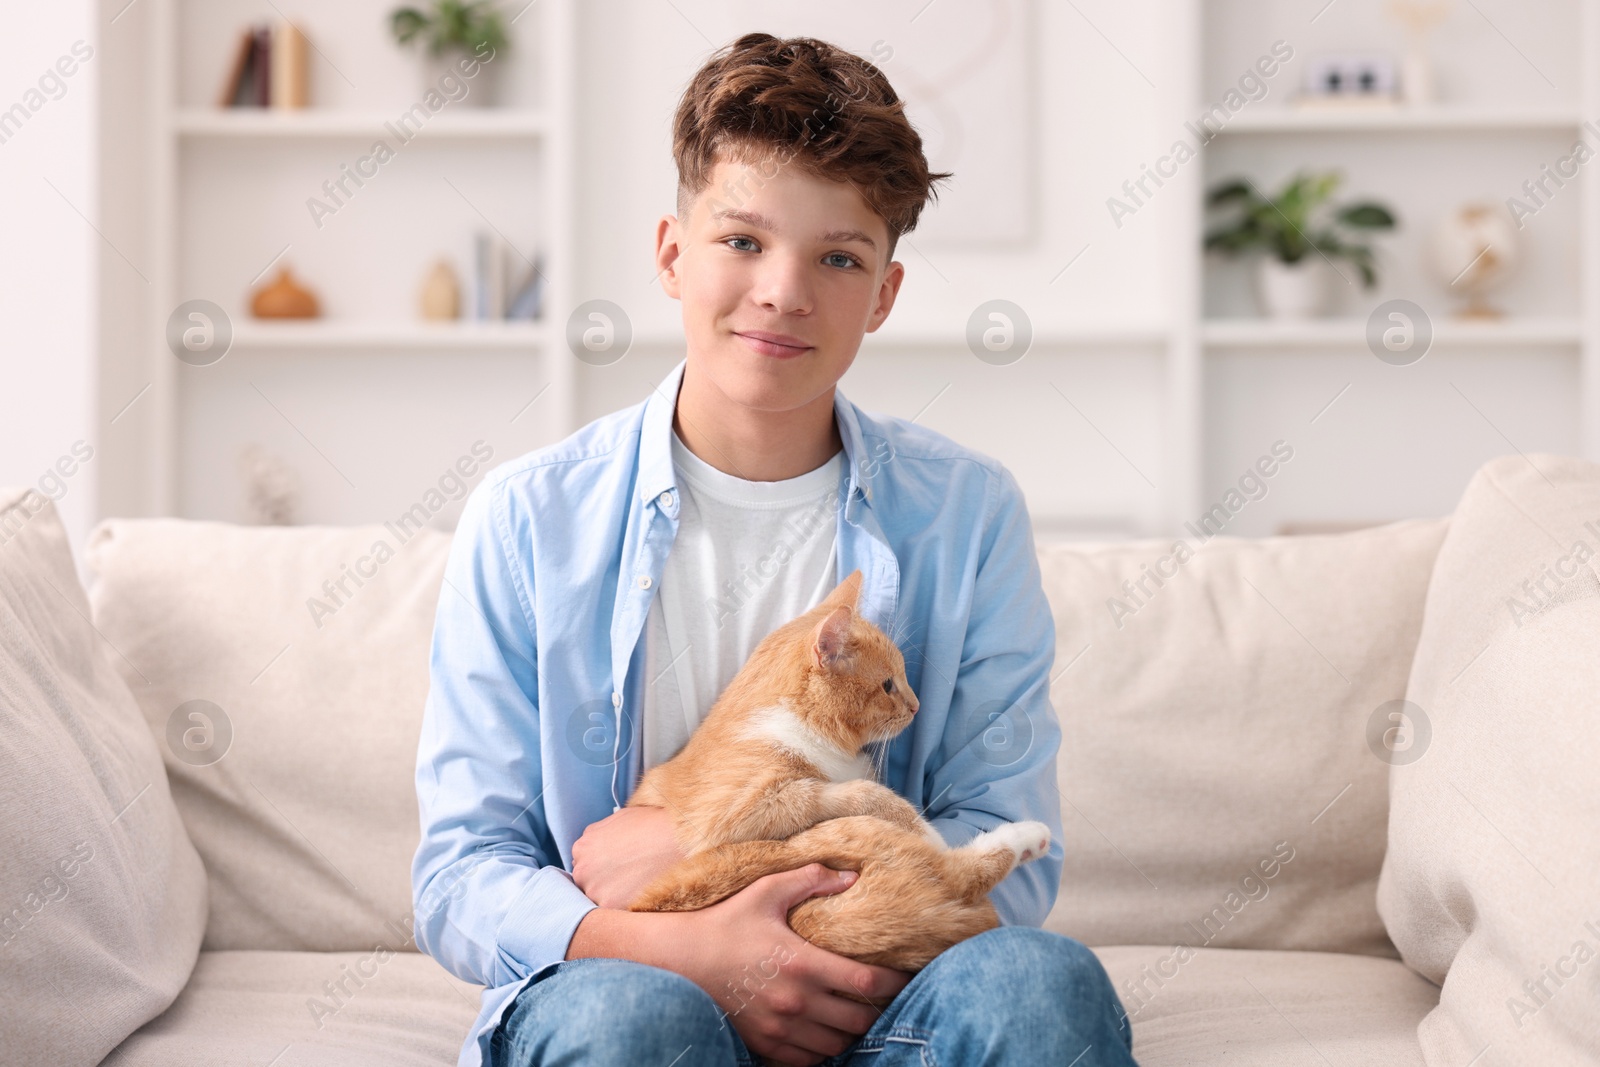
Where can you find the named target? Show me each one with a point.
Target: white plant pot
(479, 89)
(1292, 290)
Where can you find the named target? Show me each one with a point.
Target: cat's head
(855, 678)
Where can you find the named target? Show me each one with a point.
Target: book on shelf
(269, 68)
(527, 299)
(488, 276)
(287, 79)
(240, 72)
(494, 296)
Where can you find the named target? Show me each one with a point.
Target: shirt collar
(657, 474)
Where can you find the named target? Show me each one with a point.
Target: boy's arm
(998, 756)
(491, 900)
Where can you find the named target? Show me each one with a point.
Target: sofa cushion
(308, 647)
(103, 896)
(1218, 788)
(1249, 1008)
(1493, 875)
(338, 1009)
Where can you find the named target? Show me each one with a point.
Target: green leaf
(1229, 192)
(1321, 188)
(1231, 241)
(1283, 225)
(406, 23)
(451, 24)
(1366, 216)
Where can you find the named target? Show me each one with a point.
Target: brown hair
(830, 110)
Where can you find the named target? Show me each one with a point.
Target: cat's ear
(830, 647)
(847, 592)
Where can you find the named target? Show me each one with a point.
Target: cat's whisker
(878, 754)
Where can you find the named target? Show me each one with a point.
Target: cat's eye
(888, 685)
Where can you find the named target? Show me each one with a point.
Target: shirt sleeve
(998, 756)
(491, 901)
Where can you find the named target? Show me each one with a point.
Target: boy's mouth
(780, 345)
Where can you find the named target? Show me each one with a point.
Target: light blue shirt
(537, 687)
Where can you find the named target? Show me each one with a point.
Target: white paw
(934, 837)
(1026, 840)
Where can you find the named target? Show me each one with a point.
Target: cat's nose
(912, 698)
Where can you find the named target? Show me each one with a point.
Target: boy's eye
(888, 685)
(730, 240)
(849, 261)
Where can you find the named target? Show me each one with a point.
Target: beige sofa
(208, 813)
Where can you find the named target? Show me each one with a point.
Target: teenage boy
(602, 591)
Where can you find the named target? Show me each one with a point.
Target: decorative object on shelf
(1300, 232)
(271, 488)
(440, 299)
(269, 68)
(284, 298)
(1418, 86)
(1474, 250)
(1348, 81)
(455, 32)
(1296, 290)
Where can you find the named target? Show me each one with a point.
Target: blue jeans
(1010, 995)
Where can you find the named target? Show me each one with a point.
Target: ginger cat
(776, 778)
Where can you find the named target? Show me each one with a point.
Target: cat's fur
(776, 777)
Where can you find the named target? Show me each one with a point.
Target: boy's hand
(619, 855)
(776, 987)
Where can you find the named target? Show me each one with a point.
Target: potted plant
(453, 31)
(1302, 234)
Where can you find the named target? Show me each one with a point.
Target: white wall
(1400, 442)
(1073, 98)
(50, 257)
(1087, 117)
(1023, 100)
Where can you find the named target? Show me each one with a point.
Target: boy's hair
(768, 98)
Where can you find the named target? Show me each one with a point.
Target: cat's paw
(934, 837)
(1033, 839)
(1026, 840)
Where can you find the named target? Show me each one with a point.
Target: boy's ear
(830, 644)
(669, 246)
(893, 275)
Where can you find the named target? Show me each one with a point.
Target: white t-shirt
(748, 557)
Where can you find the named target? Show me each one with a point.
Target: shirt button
(644, 581)
(666, 500)
(616, 700)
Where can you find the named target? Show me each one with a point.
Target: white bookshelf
(1347, 332)
(215, 222)
(485, 123)
(1495, 113)
(442, 337)
(1399, 119)
(1184, 378)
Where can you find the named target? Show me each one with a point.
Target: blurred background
(295, 262)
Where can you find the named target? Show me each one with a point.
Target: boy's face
(776, 250)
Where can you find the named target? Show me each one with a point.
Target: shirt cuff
(538, 927)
